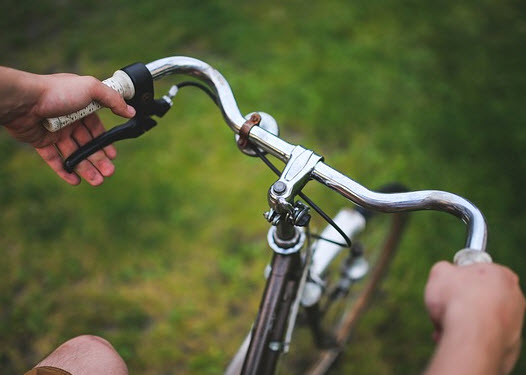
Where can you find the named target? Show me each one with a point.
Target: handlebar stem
(296, 174)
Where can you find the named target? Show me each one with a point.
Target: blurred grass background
(166, 258)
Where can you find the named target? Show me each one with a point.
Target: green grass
(166, 258)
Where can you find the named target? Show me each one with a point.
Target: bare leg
(86, 355)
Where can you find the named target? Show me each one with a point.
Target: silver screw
(279, 187)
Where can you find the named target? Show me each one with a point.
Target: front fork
(280, 293)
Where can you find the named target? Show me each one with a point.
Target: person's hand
(478, 313)
(33, 98)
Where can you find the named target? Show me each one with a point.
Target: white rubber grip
(120, 82)
(465, 257)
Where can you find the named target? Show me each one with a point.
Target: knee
(87, 354)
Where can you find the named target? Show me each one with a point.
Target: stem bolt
(279, 187)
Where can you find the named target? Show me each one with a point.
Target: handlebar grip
(465, 257)
(120, 82)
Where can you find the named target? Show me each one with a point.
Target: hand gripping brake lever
(145, 106)
(131, 129)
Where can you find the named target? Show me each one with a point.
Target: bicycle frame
(288, 270)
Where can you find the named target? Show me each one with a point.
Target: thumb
(108, 97)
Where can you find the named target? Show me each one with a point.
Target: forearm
(19, 92)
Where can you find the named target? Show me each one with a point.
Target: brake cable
(348, 242)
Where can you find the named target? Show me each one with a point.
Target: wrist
(468, 347)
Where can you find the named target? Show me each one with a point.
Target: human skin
(478, 312)
(86, 355)
(27, 99)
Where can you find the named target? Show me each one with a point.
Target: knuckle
(433, 303)
(78, 135)
(439, 269)
(509, 276)
(97, 157)
(514, 278)
(431, 292)
(91, 81)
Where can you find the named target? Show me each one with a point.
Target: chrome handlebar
(398, 202)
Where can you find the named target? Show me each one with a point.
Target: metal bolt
(255, 118)
(279, 187)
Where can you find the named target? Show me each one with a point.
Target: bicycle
(307, 283)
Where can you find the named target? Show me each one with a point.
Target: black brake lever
(145, 106)
(131, 129)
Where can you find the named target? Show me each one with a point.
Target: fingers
(436, 294)
(95, 168)
(474, 296)
(95, 127)
(85, 168)
(440, 268)
(110, 98)
(435, 283)
(52, 157)
(98, 160)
